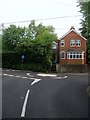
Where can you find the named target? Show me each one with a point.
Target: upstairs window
(72, 43)
(62, 43)
(78, 43)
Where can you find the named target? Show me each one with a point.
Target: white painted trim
(64, 43)
(72, 45)
(70, 32)
(69, 53)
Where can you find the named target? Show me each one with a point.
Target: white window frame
(73, 55)
(63, 52)
(72, 43)
(62, 42)
(78, 43)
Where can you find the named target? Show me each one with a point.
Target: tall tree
(11, 37)
(38, 43)
(85, 22)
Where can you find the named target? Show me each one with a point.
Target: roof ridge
(71, 31)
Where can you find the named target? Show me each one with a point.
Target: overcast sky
(25, 10)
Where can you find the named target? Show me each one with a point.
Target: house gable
(70, 31)
(74, 48)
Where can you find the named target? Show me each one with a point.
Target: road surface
(36, 95)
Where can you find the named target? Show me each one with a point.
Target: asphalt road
(61, 96)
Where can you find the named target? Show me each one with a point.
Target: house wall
(67, 38)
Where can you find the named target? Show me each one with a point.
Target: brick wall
(67, 38)
(71, 68)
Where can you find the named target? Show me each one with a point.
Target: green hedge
(30, 66)
(12, 60)
(10, 57)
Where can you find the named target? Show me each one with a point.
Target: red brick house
(72, 48)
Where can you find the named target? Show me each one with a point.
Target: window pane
(62, 42)
(63, 55)
(77, 55)
(70, 55)
(78, 42)
(72, 42)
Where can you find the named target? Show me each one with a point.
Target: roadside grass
(88, 90)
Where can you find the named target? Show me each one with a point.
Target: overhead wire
(59, 2)
(41, 19)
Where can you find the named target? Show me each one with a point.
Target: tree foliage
(11, 37)
(35, 42)
(85, 22)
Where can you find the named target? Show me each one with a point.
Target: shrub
(12, 60)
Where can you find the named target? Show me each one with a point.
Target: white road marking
(29, 75)
(24, 105)
(15, 70)
(5, 74)
(8, 75)
(25, 77)
(58, 77)
(7, 70)
(18, 76)
(11, 75)
(46, 75)
(32, 78)
(64, 77)
(35, 81)
(51, 75)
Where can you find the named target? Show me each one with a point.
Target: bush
(30, 66)
(12, 60)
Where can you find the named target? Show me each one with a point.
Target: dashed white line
(8, 75)
(32, 78)
(18, 76)
(5, 74)
(15, 70)
(25, 77)
(63, 77)
(24, 105)
(57, 77)
(11, 75)
(7, 70)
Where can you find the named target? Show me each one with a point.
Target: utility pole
(1, 28)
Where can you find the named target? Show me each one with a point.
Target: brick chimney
(72, 28)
